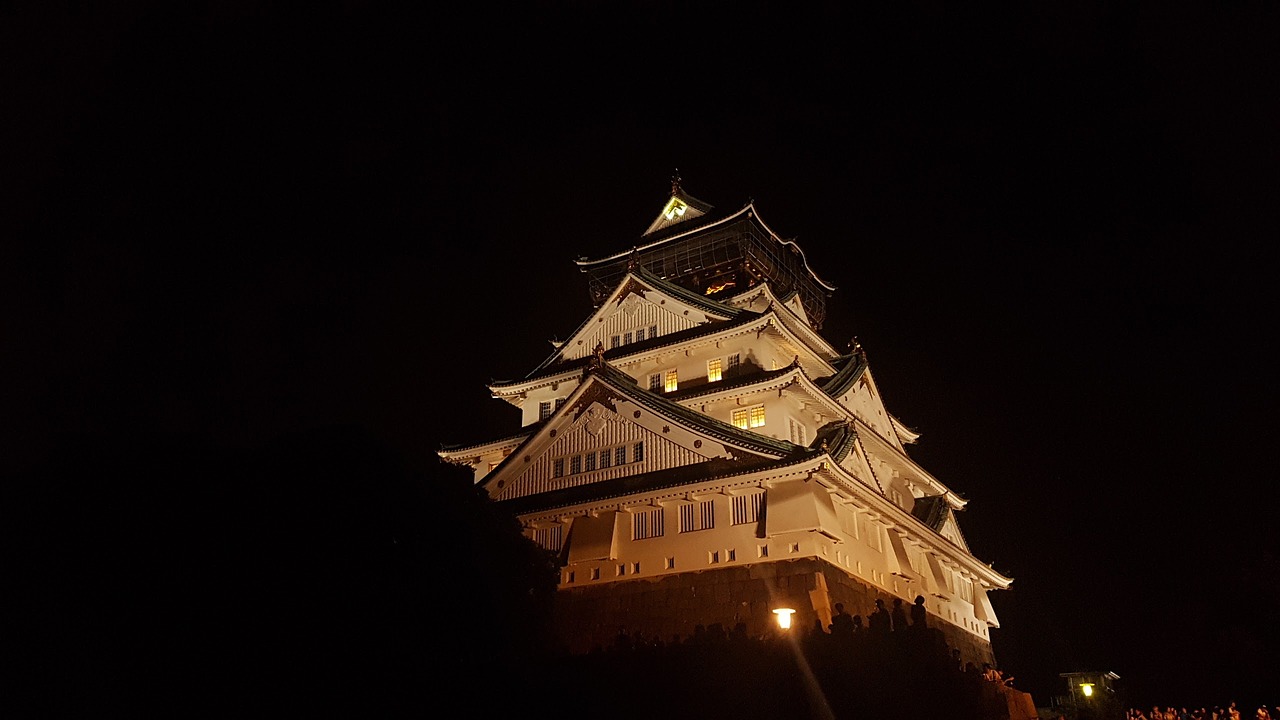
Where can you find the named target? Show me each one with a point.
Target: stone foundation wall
(672, 607)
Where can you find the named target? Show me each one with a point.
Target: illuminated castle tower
(697, 453)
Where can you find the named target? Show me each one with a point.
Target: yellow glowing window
(749, 417)
(714, 372)
(672, 381)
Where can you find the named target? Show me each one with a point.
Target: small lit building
(697, 453)
(1089, 686)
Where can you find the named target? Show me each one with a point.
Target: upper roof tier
(713, 254)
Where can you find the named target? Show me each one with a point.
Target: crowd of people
(1217, 712)
(894, 663)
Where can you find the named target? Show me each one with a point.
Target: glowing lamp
(784, 617)
(1087, 689)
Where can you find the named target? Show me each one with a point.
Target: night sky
(1050, 226)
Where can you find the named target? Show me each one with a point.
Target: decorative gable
(635, 312)
(603, 433)
(680, 207)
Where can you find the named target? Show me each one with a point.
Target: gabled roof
(680, 207)
(639, 281)
(932, 510)
(838, 438)
(555, 365)
(710, 470)
(937, 512)
(656, 237)
(852, 367)
(601, 382)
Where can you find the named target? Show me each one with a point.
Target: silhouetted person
(842, 623)
(878, 622)
(919, 614)
(898, 615)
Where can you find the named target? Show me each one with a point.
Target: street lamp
(784, 617)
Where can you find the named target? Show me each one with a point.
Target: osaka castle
(697, 453)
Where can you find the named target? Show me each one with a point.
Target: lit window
(614, 341)
(557, 467)
(749, 417)
(714, 372)
(575, 465)
(544, 410)
(655, 382)
(672, 382)
(637, 452)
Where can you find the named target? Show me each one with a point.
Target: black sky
(1049, 225)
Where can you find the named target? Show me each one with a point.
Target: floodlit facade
(696, 452)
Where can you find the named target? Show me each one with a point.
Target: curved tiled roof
(547, 370)
(687, 228)
(714, 469)
(846, 376)
(715, 428)
(838, 438)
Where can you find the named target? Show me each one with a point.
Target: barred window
(714, 370)
(549, 538)
(544, 410)
(653, 331)
(637, 452)
(798, 433)
(672, 382)
(620, 456)
(646, 524)
(740, 419)
(640, 335)
(626, 339)
(606, 458)
(655, 382)
(590, 462)
(746, 508)
(614, 342)
(733, 362)
(699, 515)
(560, 402)
(557, 467)
(756, 416)
(575, 465)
